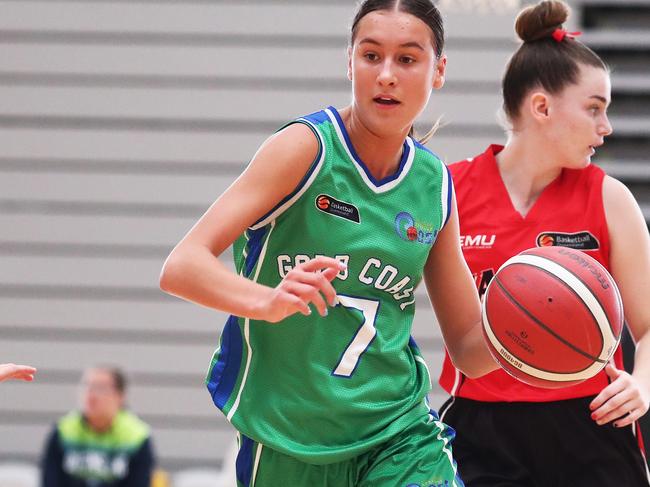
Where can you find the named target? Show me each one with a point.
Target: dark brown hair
(118, 376)
(424, 10)
(541, 61)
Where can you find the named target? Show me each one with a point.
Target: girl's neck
(527, 167)
(380, 154)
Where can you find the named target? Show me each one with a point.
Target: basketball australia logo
(332, 206)
(579, 240)
(413, 231)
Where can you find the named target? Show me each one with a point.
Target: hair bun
(539, 21)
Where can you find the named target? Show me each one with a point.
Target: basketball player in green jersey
(334, 223)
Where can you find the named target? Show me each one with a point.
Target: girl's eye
(371, 56)
(595, 110)
(406, 60)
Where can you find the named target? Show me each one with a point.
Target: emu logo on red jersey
(477, 241)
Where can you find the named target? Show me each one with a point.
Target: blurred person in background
(102, 444)
(16, 372)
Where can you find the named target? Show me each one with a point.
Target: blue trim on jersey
(405, 154)
(224, 373)
(434, 413)
(424, 148)
(312, 168)
(450, 192)
(317, 118)
(412, 343)
(244, 462)
(254, 248)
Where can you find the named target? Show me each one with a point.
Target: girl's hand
(18, 372)
(625, 398)
(308, 283)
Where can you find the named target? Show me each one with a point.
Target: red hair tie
(560, 34)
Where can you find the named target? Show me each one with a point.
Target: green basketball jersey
(325, 389)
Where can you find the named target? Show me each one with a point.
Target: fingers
(25, 372)
(615, 387)
(621, 401)
(612, 372)
(307, 283)
(619, 405)
(18, 372)
(308, 292)
(321, 263)
(317, 274)
(296, 305)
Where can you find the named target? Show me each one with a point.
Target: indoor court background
(121, 121)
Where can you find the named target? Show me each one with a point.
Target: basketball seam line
(580, 298)
(619, 300)
(543, 326)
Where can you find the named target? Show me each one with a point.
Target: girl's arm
(194, 272)
(627, 395)
(455, 300)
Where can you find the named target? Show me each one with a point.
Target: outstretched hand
(625, 398)
(17, 372)
(305, 284)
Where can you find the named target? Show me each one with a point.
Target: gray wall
(120, 122)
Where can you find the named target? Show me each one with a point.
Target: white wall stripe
(609, 340)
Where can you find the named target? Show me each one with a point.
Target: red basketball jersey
(569, 212)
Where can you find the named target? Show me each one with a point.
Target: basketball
(552, 316)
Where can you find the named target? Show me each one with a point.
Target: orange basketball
(552, 316)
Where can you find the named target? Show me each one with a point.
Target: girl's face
(578, 120)
(100, 399)
(393, 68)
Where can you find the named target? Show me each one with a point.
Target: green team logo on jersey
(411, 230)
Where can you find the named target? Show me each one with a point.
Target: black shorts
(554, 444)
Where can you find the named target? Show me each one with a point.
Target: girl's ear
(439, 76)
(538, 105)
(350, 63)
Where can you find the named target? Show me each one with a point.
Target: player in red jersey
(538, 190)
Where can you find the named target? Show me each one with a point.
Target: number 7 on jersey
(362, 338)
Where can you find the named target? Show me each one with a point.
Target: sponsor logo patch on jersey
(477, 241)
(332, 206)
(579, 240)
(413, 231)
